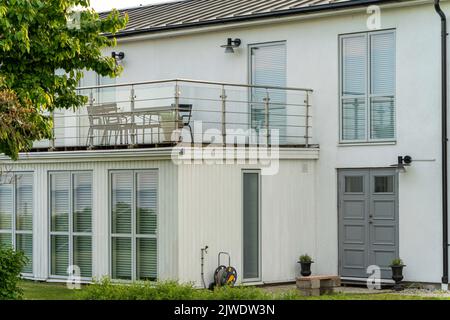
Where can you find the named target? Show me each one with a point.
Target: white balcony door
(268, 68)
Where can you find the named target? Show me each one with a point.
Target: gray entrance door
(368, 221)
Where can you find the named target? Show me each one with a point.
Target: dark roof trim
(265, 15)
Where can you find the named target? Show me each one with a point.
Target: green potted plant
(305, 262)
(397, 266)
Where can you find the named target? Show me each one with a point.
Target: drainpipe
(444, 144)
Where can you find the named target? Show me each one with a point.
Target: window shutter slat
(82, 255)
(82, 199)
(354, 76)
(354, 119)
(24, 242)
(5, 240)
(270, 69)
(60, 255)
(146, 210)
(147, 259)
(382, 50)
(6, 206)
(354, 65)
(24, 202)
(122, 198)
(121, 258)
(382, 106)
(60, 195)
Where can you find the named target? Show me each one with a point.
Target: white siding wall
(312, 57)
(210, 206)
(167, 221)
(206, 194)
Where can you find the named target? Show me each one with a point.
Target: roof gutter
(439, 11)
(264, 15)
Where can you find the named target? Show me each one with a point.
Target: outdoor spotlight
(118, 55)
(406, 160)
(231, 45)
(402, 163)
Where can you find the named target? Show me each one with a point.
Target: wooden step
(318, 285)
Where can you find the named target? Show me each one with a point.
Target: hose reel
(225, 275)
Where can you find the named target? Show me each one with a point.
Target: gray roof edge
(265, 15)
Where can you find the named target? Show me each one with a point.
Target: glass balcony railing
(169, 112)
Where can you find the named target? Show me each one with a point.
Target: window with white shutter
(268, 67)
(368, 77)
(71, 223)
(134, 209)
(16, 215)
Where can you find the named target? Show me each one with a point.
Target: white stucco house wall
(349, 92)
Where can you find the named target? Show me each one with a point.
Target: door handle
(370, 222)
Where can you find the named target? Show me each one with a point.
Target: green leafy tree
(38, 38)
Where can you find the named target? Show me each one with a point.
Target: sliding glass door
(71, 223)
(134, 209)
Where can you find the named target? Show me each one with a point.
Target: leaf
(35, 41)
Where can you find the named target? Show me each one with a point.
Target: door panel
(383, 220)
(353, 222)
(368, 221)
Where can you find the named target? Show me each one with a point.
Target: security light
(118, 55)
(402, 163)
(231, 45)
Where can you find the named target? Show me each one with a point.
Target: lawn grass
(59, 291)
(47, 291)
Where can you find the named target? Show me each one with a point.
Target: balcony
(168, 112)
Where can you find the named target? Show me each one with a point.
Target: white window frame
(367, 96)
(70, 234)
(13, 231)
(133, 235)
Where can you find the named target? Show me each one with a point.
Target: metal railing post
(307, 120)
(91, 132)
(52, 142)
(267, 118)
(177, 108)
(223, 97)
(133, 118)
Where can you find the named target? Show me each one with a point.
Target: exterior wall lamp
(231, 45)
(402, 163)
(119, 56)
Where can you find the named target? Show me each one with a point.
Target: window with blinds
(71, 223)
(16, 215)
(269, 68)
(368, 77)
(134, 215)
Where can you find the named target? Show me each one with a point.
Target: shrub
(305, 259)
(397, 262)
(106, 290)
(11, 264)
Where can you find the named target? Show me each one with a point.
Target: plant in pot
(305, 263)
(397, 266)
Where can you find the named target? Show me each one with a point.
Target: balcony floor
(152, 146)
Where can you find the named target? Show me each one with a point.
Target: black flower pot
(397, 276)
(305, 268)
